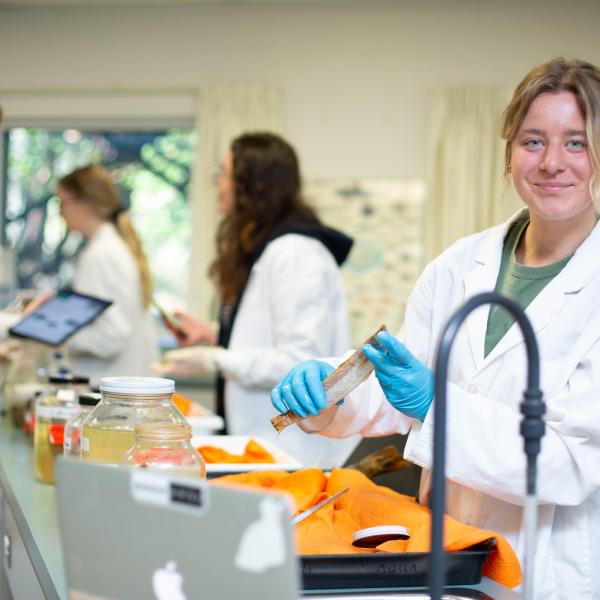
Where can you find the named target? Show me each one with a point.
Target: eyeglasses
(220, 172)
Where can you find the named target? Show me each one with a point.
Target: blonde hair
(559, 75)
(93, 185)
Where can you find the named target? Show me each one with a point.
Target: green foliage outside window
(152, 170)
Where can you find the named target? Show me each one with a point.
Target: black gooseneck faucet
(532, 430)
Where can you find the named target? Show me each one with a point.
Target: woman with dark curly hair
(281, 291)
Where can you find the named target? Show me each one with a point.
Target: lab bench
(32, 564)
(31, 554)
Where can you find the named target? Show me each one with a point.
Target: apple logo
(166, 583)
(263, 545)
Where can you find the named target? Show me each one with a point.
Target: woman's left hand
(185, 362)
(191, 331)
(406, 382)
(36, 302)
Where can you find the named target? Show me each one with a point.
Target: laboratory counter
(32, 557)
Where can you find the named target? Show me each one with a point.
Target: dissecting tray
(383, 570)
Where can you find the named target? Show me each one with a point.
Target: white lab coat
(293, 308)
(7, 320)
(121, 341)
(485, 459)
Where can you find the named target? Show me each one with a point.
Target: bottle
(52, 411)
(166, 448)
(126, 402)
(72, 442)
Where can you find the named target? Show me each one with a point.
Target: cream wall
(355, 76)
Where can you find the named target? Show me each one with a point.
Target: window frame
(87, 110)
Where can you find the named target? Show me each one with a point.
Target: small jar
(165, 447)
(108, 432)
(52, 411)
(72, 443)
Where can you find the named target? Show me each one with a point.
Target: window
(152, 170)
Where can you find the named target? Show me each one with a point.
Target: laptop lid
(130, 534)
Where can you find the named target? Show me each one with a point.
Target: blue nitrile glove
(301, 390)
(406, 382)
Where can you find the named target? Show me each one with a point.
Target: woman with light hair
(112, 265)
(546, 258)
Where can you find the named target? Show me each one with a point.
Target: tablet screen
(60, 317)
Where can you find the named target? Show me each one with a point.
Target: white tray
(202, 425)
(235, 444)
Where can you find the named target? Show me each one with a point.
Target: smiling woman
(546, 258)
(552, 157)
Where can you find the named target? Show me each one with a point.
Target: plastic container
(371, 537)
(167, 448)
(126, 402)
(72, 442)
(52, 411)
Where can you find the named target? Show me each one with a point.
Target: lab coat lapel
(483, 279)
(550, 302)
(543, 309)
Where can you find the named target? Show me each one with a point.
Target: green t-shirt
(517, 281)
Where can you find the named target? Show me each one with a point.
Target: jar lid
(371, 537)
(137, 385)
(89, 399)
(67, 378)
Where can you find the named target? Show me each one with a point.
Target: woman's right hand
(301, 390)
(191, 332)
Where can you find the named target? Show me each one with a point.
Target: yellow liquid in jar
(44, 453)
(105, 445)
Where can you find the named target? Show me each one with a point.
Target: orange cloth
(329, 530)
(182, 403)
(253, 453)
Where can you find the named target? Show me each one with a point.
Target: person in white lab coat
(282, 294)
(6, 319)
(546, 257)
(112, 265)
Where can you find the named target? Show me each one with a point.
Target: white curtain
(467, 191)
(224, 112)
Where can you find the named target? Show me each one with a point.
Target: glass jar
(72, 443)
(29, 416)
(166, 448)
(126, 402)
(52, 411)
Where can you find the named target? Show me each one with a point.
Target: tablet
(60, 317)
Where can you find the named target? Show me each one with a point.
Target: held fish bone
(349, 375)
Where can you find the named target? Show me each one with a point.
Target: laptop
(133, 534)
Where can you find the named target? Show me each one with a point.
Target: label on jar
(56, 434)
(55, 412)
(169, 492)
(66, 395)
(85, 444)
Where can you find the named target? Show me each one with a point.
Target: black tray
(390, 571)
